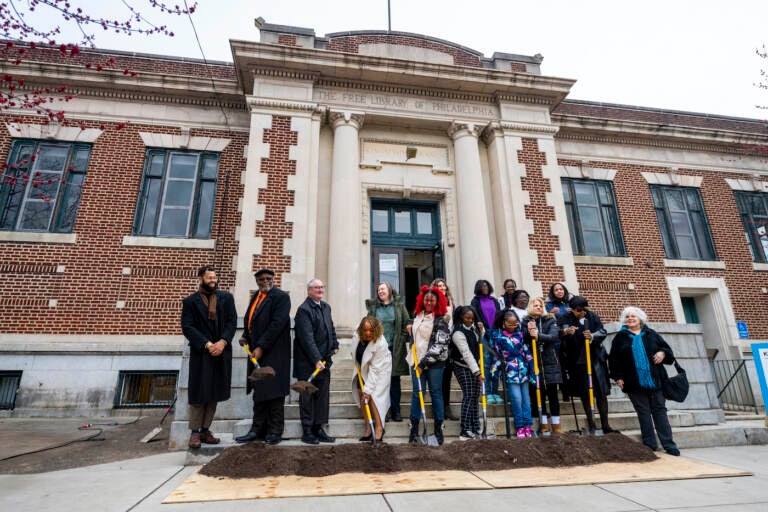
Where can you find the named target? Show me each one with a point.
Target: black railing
(733, 387)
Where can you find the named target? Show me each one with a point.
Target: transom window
(753, 207)
(593, 220)
(404, 221)
(177, 195)
(683, 223)
(41, 186)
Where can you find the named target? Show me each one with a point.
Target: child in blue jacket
(515, 357)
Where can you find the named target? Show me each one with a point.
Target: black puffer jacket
(548, 346)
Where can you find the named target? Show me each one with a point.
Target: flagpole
(389, 17)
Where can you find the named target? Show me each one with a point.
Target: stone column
(343, 283)
(474, 233)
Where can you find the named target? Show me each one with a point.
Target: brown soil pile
(256, 460)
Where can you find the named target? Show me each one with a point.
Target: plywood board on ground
(666, 467)
(203, 488)
(199, 488)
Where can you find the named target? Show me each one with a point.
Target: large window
(177, 194)
(41, 186)
(753, 207)
(592, 217)
(683, 223)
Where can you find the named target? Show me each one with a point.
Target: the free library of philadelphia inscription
(427, 106)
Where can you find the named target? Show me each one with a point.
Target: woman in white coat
(371, 353)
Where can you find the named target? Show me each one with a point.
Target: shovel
(259, 372)
(155, 431)
(305, 387)
(597, 432)
(367, 407)
(424, 438)
(483, 399)
(538, 381)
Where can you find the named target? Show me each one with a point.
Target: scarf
(642, 364)
(209, 299)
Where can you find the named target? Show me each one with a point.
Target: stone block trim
(351, 44)
(275, 197)
(540, 213)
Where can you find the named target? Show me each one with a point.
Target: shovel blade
(587, 432)
(151, 435)
(262, 373)
(303, 387)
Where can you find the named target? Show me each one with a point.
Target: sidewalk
(142, 484)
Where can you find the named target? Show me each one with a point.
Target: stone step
(724, 434)
(353, 426)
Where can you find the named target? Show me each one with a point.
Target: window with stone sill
(683, 223)
(178, 194)
(41, 186)
(753, 207)
(593, 219)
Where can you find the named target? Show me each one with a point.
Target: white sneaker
(466, 436)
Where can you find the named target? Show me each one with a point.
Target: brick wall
(541, 214)
(606, 287)
(88, 290)
(274, 229)
(351, 44)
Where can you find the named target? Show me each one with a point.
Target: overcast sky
(696, 56)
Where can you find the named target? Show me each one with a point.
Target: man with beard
(315, 344)
(208, 320)
(267, 332)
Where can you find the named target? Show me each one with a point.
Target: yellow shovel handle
(250, 354)
(417, 370)
(589, 373)
(482, 374)
(360, 380)
(536, 373)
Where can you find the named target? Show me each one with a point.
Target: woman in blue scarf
(635, 362)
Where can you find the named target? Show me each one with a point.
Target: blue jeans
(520, 400)
(433, 376)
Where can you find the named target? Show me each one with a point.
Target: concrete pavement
(141, 485)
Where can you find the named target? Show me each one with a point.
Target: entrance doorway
(406, 246)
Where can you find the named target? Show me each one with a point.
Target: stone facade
(311, 132)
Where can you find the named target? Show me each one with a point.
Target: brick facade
(351, 44)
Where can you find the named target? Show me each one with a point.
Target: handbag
(676, 388)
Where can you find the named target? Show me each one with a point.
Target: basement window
(145, 389)
(9, 386)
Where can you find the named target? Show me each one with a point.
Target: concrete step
(353, 425)
(725, 434)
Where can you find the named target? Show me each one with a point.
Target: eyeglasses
(318, 287)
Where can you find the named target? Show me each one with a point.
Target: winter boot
(544, 426)
(439, 431)
(556, 428)
(413, 437)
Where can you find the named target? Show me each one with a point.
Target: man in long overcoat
(267, 332)
(313, 348)
(208, 321)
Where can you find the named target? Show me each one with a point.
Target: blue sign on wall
(743, 331)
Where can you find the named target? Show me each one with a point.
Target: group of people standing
(487, 343)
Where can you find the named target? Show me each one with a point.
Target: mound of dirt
(256, 460)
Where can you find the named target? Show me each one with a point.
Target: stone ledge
(38, 238)
(717, 265)
(174, 243)
(603, 260)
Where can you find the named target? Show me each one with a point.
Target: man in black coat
(208, 321)
(576, 327)
(267, 332)
(313, 348)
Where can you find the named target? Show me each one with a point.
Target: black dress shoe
(366, 439)
(273, 439)
(322, 436)
(609, 430)
(309, 438)
(249, 437)
(396, 416)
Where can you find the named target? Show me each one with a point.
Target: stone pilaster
(474, 232)
(343, 282)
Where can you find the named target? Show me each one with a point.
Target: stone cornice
(249, 56)
(151, 87)
(652, 134)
